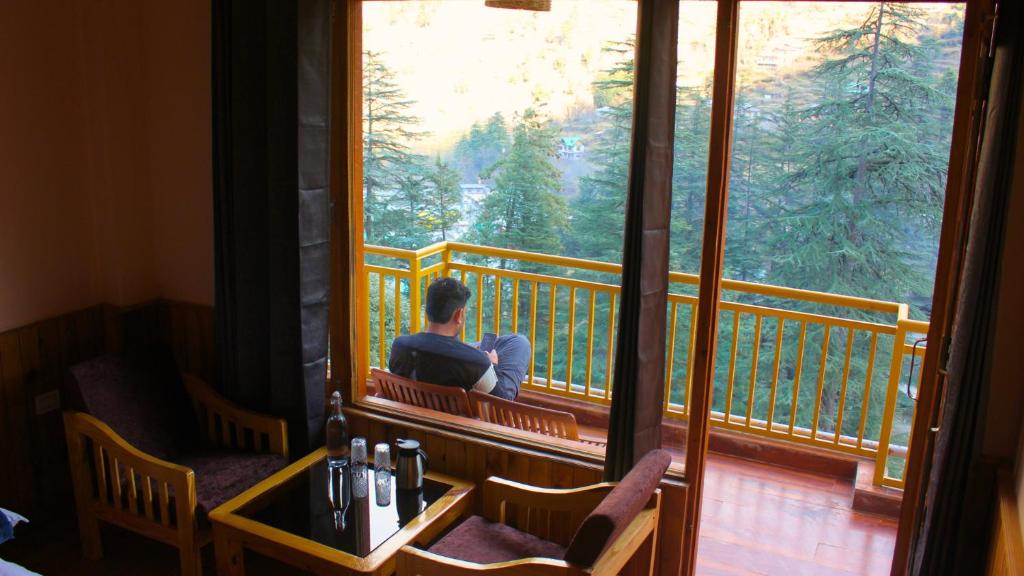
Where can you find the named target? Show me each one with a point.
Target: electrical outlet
(47, 402)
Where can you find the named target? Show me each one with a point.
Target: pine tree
(598, 212)
(864, 173)
(524, 211)
(444, 199)
(388, 162)
(482, 147)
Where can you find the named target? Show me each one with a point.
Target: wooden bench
(491, 409)
(447, 399)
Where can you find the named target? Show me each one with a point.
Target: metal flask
(411, 465)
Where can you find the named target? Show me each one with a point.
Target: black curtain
(638, 384)
(956, 499)
(270, 150)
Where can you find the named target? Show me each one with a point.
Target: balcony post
(889, 412)
(415, 314)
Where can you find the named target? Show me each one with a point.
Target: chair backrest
(448, 399)
(618, 509)
(135, 399)
(523, 416)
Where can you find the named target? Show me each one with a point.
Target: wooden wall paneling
(43, 371)
(18, 474)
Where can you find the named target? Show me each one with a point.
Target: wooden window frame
(348, 310)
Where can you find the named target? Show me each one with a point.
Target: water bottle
(337, 434)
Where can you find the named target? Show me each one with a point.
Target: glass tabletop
(349, 512)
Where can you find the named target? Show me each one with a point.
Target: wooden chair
(594, 530)
(447, 399)
(117, 482)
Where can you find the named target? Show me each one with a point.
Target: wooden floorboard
(765, 520)
(757, 519)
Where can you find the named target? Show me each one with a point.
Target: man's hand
(493, 356)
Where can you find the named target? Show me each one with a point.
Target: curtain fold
(270, 100)
(954, 506)
(638, 381)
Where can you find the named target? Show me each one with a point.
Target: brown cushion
(618, 509)
(484, 542)
(223, 474)
(109, 389)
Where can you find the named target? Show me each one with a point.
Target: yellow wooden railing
(774, 342)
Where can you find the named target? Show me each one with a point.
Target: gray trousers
(514, 357)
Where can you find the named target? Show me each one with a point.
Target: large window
(496, 150)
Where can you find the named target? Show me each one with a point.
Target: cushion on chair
(223, 474)
(123, 398)
(484, 542)
(618, 509)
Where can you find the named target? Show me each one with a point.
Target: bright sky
(462, 61)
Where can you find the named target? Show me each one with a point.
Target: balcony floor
(762, 519)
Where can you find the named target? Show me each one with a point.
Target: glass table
(325, 521)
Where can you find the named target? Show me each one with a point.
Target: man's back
(438, 359)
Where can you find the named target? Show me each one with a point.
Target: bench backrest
(523, 416)
(447, 399)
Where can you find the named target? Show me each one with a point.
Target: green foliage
(444, 197)
(598, 213)
(524, 211)
(482, 147)
(862, 181)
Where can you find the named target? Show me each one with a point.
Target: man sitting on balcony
(438, 356)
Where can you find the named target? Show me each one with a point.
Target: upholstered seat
(484, 542)
(621, 523)
(223, 474)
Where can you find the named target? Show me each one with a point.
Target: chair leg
(89, 533)
(191, 560)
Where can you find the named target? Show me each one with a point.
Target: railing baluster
(497, 304)
(755, 355)
(552, 295)
(572, 336)
(380, 320)
(780, 328)
(462, 332)
(590, 341)
(732, 366)
(866, 402)
(797, 373)
(670, 358)
(479, 306)
(843, 384)
(533, 325)
(515, 305)
(398, 305)
(611, 345)
(821, 380)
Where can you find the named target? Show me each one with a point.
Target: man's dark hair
(444, 297)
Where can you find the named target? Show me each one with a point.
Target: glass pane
(841, 136)
(504, 136)
(694, 76)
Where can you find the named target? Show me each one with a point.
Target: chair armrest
(415, 562)
(211, 408)
(577, 501)
(123, 473)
